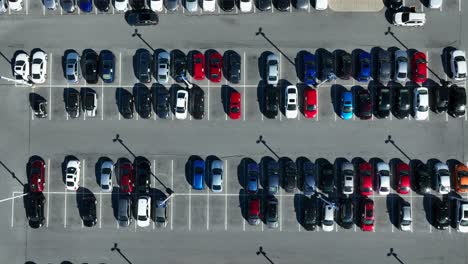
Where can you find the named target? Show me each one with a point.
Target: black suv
(422, 178)
(289, 176)
(441, 213)
(326, 177)
(143, 17)
(402, 102)
(143, 101)
(72, 103)
(126, 105)
(88, 210)
(234, 69)
(35, 209)
(143, 175)
(197, 104)
(346, 212)
(383, 102)
(441, 99)
(344, 65)
(457, 101)
(309, 214)
(143, 64)
(384, 65)
(162, 103)
(179, 66)
(326, 65)
(271, 101)
(90, 66)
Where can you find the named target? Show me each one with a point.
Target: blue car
(364, 67)
(253, 172)
(347, 105)
(198, 175)
(107, 66)
(310, 69)
(86, 5)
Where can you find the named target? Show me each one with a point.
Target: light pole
(16, 81)
(331, 76)
(325, 201)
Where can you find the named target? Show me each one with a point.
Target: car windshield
(217, 171)
(368, 221)
(384, 173)
(327, 222)
(142, 217)
(198, 170)
(70, 184)
(123, 218)
(422, 108)
(180, 109)
(273, 189)
(71, 170)
(365, 98)
(347, 109)
(459, 58)
(106, 171)
(401, 75)
(311, 107)
(291, 107)
(405, 222)
(405, 17)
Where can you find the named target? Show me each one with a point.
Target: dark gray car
(124, 211)
(301, 4)
(384, 66)
(172, 5)
(310, 178)
(273, 177)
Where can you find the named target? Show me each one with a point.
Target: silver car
(272, 69)
(216, 174)
(72, 67)
(191, 5)
(50, 4)
(163, 66)
(68, 5)
(124, 211)
(3, 6)
(171, 5)
(401, 66)
(106, 176)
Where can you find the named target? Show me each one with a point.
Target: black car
(90, 66)
(344, 65)
(384, 66)
(309, 214)
(35, 209)
(364, 105)
(102, 5)
(283, 5)
(383, 102)
(422, 178)
(197, 104)
(457, 101)
(326, 177)
(143, 17)
(137, 4)
(346, 213)
(126, 105)
(234, 67)
(88, 210)
(72, 103)
(264, 5)
(143, 64)
(289, 176)
(142, 175)
(179, 66)
(441, 99)
(162, 106)
(326, 65)
(227, 5)
(143, 102)
(271, 212)
(402, 102)
(441, 213)
(271, 101)
(107, 66)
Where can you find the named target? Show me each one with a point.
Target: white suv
(421, 103)
(72, 175)
(463, 218)
(144, 211)
(290, 101)
(181, 104)
(405, 217)
(21, 67)
(328, 220)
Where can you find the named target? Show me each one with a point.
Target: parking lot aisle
(181, 201)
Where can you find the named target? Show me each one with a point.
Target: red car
(198, 60)
(235, 105)
(419, 66)
(402, 174)
(310, 103)
(126, 177)
(366, 178)
(253, 214)
(37, 179)
(367, 218)
(215, 62)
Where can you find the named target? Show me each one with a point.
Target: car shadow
(299, 61)
(336, 91)
(139, 89)
(119, 94)
(226, 63)
(261, 96)
(374, 52)
(428, 199)
(373, 88)
(299, 201)
(243, 198)
(242, 171)
(413, 165)
(81, 194)
(355, 90)
(392, 201)
(115, 197)
(175, 53)
(338, 165)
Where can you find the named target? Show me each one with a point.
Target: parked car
(89, 101)
(197, 104)
(442, 178)
(364, 104)
(253, 211)
(401, 66)
(366, 178)
(384, 66)
(457, 101)
(120, 5)
(171, 5)
(458, 65)
(273, 180)
(310, 103)
(383, 177)
(72, 175)
(419, 67)
(364, 67)
(15, 5)
(283, 5)
(86, 5)
(88, 210)
(264, 5)
(138, 4)
(462, 216)
(215, 64)
(328, 221)
(162, 103)
(125, 103)
(422, 178)
(326, 65)
(326, 177)
(163, 66)
(383, 102)
(245, 6)
(271, 212)
(347, 171)
(321, 4)
(198, 174)
(309, 180)
(143, 64)
(144, 17)
(227, 5)
(346, 105)
(234, 109)
(460, 178)
(90, 66)
(124, 211)
(344, 65)
(421, 103)
(143, 175)
(310, 214)
(346, 212)
(102, 5)
(160, 212)
(181, 104)
(253, 173)
(216, 176)
(39, 67)
(441, 99)
(271, 101)
(310, 69)
(234, 68)
(37, 176)
(192, 5)
(272, 69)
(405, 218)
(35, 209)
(367, 215)
(198, 66)
(403, 178)
(127, 178)
(156, 5)
(290, 98)
(143, 102)
(435, 4)
(289, 176)
(409, 19)
(72, 66)
(107, 66)
(179, 66)
(441, 213)
(402, 102)
(106, 176)
(209, 5)
(21, 67)
(143, 211)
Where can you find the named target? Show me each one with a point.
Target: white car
(458, 64)
(405, 218)
(16, 5)
(401, 66)
(121, 5)
(191, 5)
(50, 4)
(144, 211)
(463, 218)
(21, 68)
(3, 6)
(409, 19)
(321, 4)
(72, 67)
(245, 6)
(181, 104)
(272, 69)
(209, 5)
(163, 67)
(89, 100)
(328, 221)
(347, 169)
(435, 4)
(383, 175)
(156, 5)
(442, 174)
(39, 67)
(290, 107)
(421, 103)
(72, 175)
(106, 176)
(216, 176)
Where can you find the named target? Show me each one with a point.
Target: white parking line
(172, 188)
(102, 101)
(207, 208)
(153, 182)
(280, 211)
(245, 106)
(225, 194)
(245, 77)
(190, 209)
(48, 194)
(446, 117)
(208, 114)
(12, 209)
(27, 7)
(459, 5)
(100, 210)
(50, 87)
(422, 7)
(65, 211)
(120, 68)
(43, 10)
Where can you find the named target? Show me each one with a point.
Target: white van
(408, 19)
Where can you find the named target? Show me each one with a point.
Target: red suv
(419, 67)
(366, 178)
(367, 218)
(126, 177)
(310, 103)
(198, 61)
(235, 105)
(37, 176)
(403, 178)
(215, 62)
